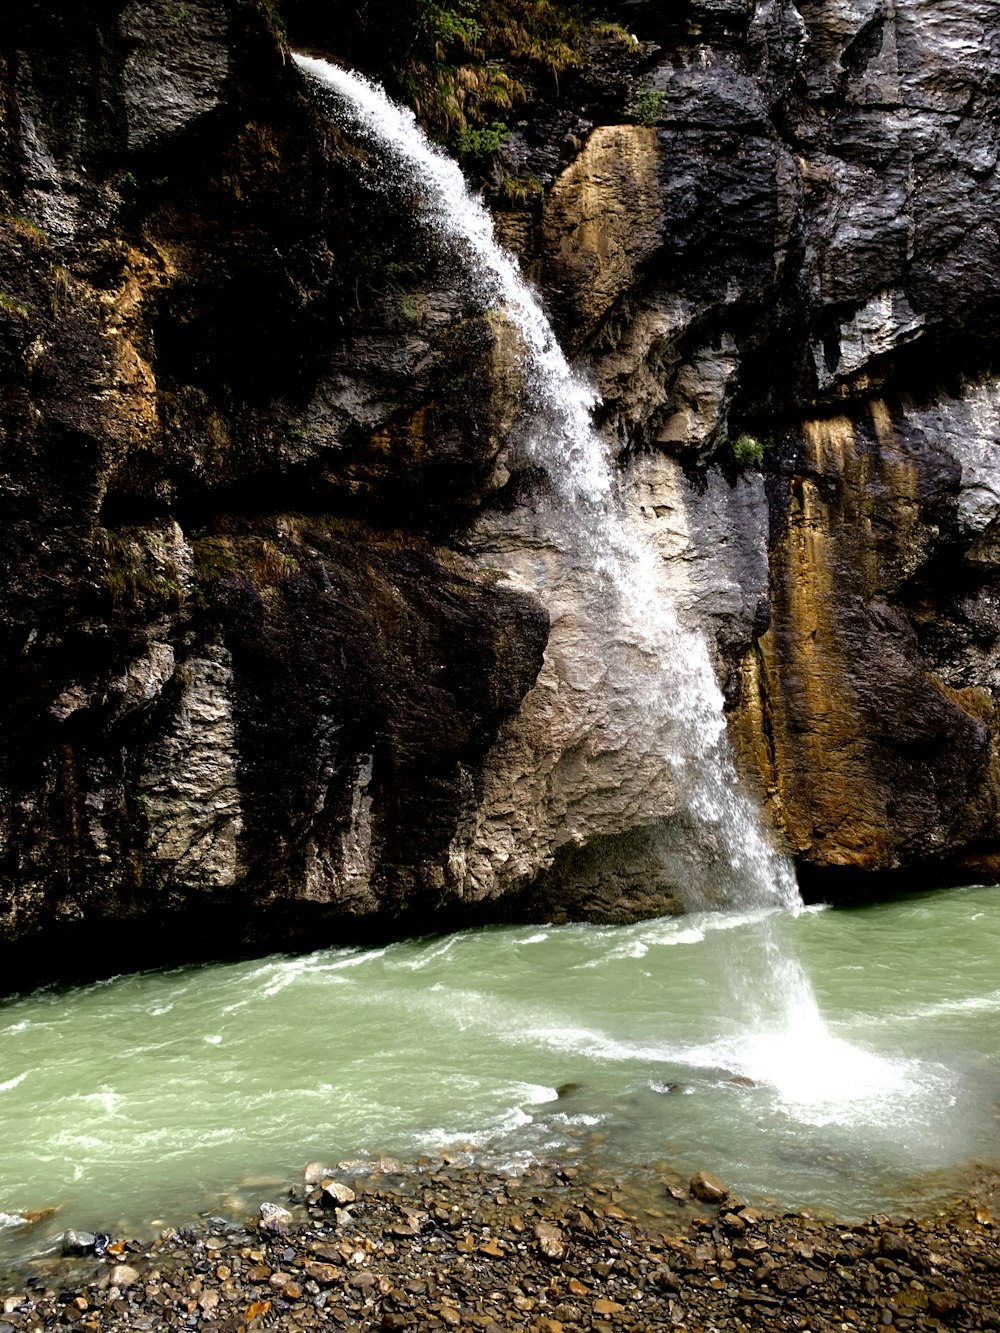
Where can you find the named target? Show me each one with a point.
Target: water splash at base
(671, 682)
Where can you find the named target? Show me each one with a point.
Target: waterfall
(672, 681)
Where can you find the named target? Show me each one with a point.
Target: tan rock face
(870, 758)
(601, 221)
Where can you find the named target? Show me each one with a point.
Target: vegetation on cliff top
(463, 65)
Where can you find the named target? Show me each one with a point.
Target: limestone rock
(190, 784)
(828, 659)
(123, 1275)
(292, 650)
(601, 221)
(275, 1219)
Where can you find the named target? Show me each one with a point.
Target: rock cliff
(278, 663)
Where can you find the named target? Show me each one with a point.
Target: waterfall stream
(678, 692)
(672, 686)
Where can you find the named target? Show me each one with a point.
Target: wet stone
(123, 1275)
(336, 1193)
(708, 1188)
(780, 1273)
(78, 1242)
(275, 1219)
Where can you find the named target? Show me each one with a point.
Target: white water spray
(671, 680)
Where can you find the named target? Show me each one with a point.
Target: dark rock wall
(251, 676)
(245, 681)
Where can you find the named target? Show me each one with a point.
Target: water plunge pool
(155, 1096)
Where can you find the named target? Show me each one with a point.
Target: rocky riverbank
(453, 1247)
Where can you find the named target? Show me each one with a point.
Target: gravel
(452, 1247)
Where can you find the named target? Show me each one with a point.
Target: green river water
(153, 1097)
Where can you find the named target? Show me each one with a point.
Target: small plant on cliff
(133, 576)
(25, 227)
(647, 105)
(518, 190)
(480, 142)
(60, 294)
(461, 62)
(449, 27)
(13, 307)
(747, 452)
(277, 21)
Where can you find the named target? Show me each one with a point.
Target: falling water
(672, 684)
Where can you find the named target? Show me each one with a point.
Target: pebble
(123, 1275)
(457, 1248)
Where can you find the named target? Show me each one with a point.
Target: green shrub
(482, 141)
(747, 451)
(449, 27)
(647, 105)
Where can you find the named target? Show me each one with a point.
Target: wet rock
(78, 1242)
(123, 1275)
(708, 1188)
(336, 1194)
(616, 1275)
(275, 1219)
(314, 1174)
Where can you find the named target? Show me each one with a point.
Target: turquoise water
(152, 1097)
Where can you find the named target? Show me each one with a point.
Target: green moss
(219, 558)
(409, 304)
(134, 578)
(13, 307)
(25, 227)
(214, 560)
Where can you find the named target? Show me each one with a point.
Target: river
(146, 1099)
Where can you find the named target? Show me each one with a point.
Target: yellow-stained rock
(602, 220)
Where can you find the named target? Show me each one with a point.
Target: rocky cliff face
(278, 662)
